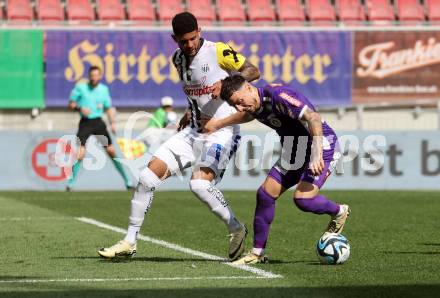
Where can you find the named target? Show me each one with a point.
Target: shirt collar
(261, 98)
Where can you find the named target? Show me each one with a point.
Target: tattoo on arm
(315, 126)
(249, 71)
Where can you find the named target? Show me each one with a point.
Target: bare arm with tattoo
(249, 71)
(314, 122)
(211, 125)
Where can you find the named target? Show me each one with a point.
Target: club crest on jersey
(275, 122)
(205, 68)
(290, 99)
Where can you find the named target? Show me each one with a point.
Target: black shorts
(96, 127)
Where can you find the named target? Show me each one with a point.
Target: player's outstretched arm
(314, 122)
(184, 121)
(212, 124)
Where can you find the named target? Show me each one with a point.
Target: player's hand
(316, 165)
(113, 128)
(184, 121)
(215, 90)
(85, 111)
(209, 125)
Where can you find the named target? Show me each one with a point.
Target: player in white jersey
(201, 65)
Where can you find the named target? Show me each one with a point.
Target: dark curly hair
(183, 23)
(230, 85)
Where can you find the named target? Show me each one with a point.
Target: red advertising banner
(396, 66)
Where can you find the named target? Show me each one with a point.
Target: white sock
(141, 203)
(215, 200)
(341, 210)
(258, 251)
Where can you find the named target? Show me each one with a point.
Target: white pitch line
(257, 271)
(126, 279)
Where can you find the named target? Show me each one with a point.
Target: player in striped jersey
(201, 65)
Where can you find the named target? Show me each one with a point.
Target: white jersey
(213, 62)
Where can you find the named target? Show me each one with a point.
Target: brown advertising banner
(396, 66)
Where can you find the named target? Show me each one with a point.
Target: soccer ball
(332, 248)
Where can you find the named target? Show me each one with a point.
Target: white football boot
(251, 258)
(122, 248)
(337, 222)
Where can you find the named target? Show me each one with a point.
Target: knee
(197, 186)
(148, 179)
(264, 198)
(111, 151)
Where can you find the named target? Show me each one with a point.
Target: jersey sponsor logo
(197, 91)
(290, 99)
(43, 161)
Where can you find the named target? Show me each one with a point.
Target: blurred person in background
(163, 117)
(91, 100)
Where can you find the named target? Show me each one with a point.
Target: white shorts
(153, 137)
(190, 148)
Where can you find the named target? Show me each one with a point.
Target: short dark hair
(230, 85)
(183, 23)
(94, 67)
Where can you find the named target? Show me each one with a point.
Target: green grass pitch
(47, 252)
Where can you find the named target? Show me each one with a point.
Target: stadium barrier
(333, 66)
(370, 160)
(21, 69)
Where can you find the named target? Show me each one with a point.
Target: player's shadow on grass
(138, 259)
(6, 277)
(264, 290)
(159, 260)
(412, 252)
(293, 262)
(430, 244)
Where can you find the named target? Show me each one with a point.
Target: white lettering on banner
(376, 62)
(370, 160)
